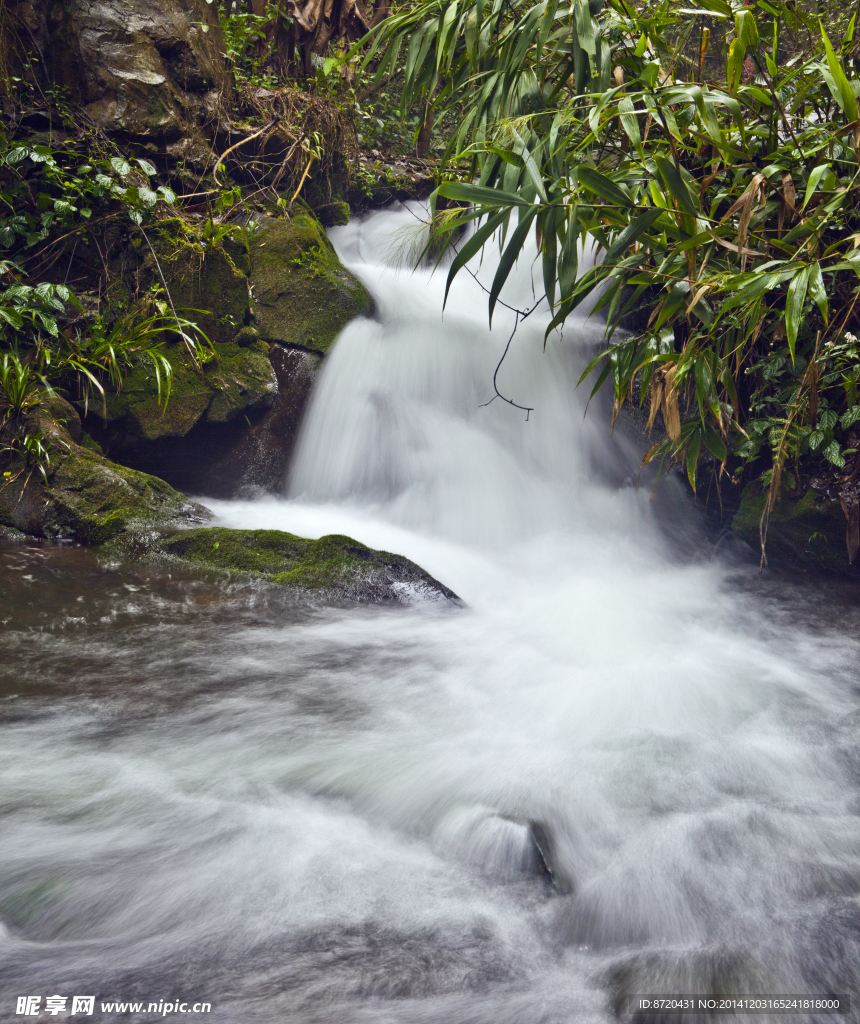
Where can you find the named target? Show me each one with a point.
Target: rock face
(303, 295)
(87, 497)
(332, 568)
(807, 532)
(144, 68)
(271, 302)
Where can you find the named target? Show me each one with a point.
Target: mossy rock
(210, 281)
(334, 568)
(236, 379)
(86, 496)
(807, 531)
(303, 295)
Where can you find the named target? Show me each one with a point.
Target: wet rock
(257, 460)
(808, 531)
(333, 568)
(231, 424)
(303, 295)
(145, 68)
(86, 497)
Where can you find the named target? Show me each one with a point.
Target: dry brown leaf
(671, 412)
(731, 245)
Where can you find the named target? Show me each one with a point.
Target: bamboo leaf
(510, 255)
(676, 185)
(694, 446)
(816, 289)
(815, 176)
(481, 196)
(604, 187)
(634, 230)
(472, 246)
(794, 306)
(847, 99)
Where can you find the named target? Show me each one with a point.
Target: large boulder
(85, 496)
(271, 302)
(303, 294)
(333, 568)
(144, 68)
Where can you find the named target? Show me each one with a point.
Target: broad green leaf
(848, 101)
(794, 306)
(816, 289)
(121, 166)
(815, 176)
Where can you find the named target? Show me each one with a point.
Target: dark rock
(86, 497)
(333, 215)
(145, 68)
(808, 531)
(303, 295)
(333, 568)
(259, 457)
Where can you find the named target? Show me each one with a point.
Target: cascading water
(618, 769)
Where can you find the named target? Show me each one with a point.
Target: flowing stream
(625, 765)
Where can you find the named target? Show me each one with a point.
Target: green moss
(278, 556)
(334, 214)
(206, 279)
(304, 296)
(88, 497)
(805, 530)
(238, 379)
(336, 565)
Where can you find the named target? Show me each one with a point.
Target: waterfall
(623, 767)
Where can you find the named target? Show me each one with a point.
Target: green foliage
(46, 341)
(19, 390)
(732, 208)
(246, 43)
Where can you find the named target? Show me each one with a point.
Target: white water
(334, 826)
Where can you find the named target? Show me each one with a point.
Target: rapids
(325, 815)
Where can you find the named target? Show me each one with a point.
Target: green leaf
(146, 167)
(815, 176)
(676, 185)
(603, 186)
(848, 101)
(816, 289)
(472, 246)
(850, 417)
(480, 196)
(634, 230)
(833, 454)
(794, 306)
(715, 445)
(693, 448)
(121, 166)
(510, 255)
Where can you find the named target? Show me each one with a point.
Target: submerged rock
(335, 567)
(86, 497)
